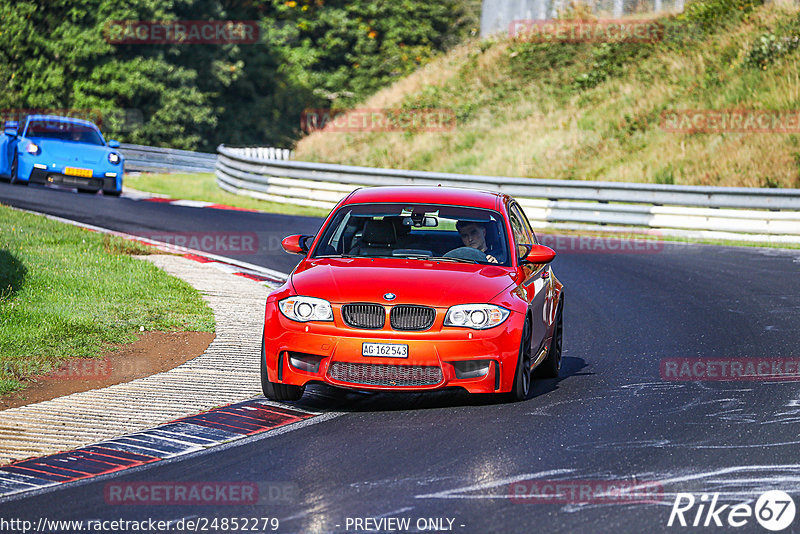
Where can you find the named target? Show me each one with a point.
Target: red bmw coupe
(416, 289)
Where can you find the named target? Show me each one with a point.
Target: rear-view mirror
(419, 222)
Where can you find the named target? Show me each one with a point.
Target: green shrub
(768, 48)
(710, 13)
(608, 60)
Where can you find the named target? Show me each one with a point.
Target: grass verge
(600, 111)
(203, 186)
(69, 293)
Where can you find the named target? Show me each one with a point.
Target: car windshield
(420, 231)
(64, 131)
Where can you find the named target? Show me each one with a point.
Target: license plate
(75, 171)
(386, 350)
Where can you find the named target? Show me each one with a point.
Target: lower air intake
(385, 375)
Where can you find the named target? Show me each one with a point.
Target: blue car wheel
(15, 169)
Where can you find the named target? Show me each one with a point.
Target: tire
(88, 191)
(551, 365)
(274, 391)
(112, 193)
(14, 170)
(522, 375)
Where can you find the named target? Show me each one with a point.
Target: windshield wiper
(412, 256)
(443, 258)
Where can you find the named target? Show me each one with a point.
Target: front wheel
(273, 390)
(112, 193)
(522, 376)
(14, 170)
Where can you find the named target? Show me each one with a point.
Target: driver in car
(473, 235)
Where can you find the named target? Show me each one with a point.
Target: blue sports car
(61, 150)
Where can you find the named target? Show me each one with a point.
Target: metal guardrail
(724, 212)
(154, 159)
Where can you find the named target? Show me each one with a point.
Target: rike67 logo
(774, 510)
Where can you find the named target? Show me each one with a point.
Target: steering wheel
(467, 253)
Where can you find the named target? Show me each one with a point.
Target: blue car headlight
(114, 158)
(33, 149)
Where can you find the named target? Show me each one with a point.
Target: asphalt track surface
(610, 417)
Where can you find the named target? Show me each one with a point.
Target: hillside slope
(600, 111)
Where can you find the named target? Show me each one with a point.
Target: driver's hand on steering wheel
(491, 259)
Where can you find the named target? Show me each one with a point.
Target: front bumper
(54, 174)
(480, 361)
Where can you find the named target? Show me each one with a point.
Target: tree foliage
(310, 53)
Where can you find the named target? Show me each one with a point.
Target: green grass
(734, 243)
(69, 293)
(592, 111)
(203, 186)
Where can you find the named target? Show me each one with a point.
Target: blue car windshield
(64, 131)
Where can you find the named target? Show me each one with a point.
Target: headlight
(305, 309)
(476, 316)
(113, 157)
(32, 148)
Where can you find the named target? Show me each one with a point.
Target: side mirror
(11, 128)
(540, 254)
(113, 144)
(295, 244)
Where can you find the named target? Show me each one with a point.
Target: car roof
(417, 194)
(59, 118)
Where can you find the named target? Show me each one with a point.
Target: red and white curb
(225, 375)
(176, 438)
(195, 204)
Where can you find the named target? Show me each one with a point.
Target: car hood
(70, 153)
(441, 284)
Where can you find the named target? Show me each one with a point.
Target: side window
(526, 223)
(522, 237)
